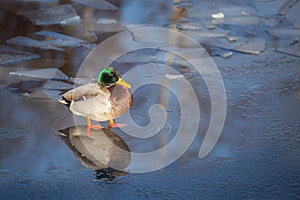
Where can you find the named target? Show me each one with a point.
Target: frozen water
(67, 43)
(183, 4)
(59, 39)
(106, 21)
(255, 47)
(207, 34)
(174, 76)
(227, 8)
(62, 43)
(287, 34)
(62, 14)
(42, 1)
(248, 132)
(223, 53)
(252, 47)
(70, 21)
(268, 7)
(10, 56)
(232, 38)
(243, 20)
(245, 13)
(48, 73)
(136, 58)
(219, 15)
(293, 15)
(60, 36)
(239, 20)
(108, 28)
(97, 4)
(286, 6)
(6, 59)
(190, 50)
(293, 50)
(167, 55)
(270, 21)
(227, 54)
(133, 26)
(81, 81)
(28, 42)
(57, 85)
(190, 26)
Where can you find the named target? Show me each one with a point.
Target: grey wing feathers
(84, 91)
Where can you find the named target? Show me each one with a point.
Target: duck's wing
(85, 91)
(98, 107)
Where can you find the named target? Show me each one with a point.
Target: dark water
(257, 155)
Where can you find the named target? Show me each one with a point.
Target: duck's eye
(112, 74)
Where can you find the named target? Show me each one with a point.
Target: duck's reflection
(103, 151)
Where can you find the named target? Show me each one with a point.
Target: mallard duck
(104, 100)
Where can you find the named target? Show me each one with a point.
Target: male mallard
(105, 100)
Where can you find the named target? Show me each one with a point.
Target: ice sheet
(287, 34)
(6, 59)
(207, 33)
(268, 7)
(106, 21)
(62, 14)
(293, 15)
(286, 6)
(255, 47)
(10, 56)
(28, 42)
(97, 4)
(47, 73)
(229, 9)
(136, 58)
(60, 36)
(239, 20)
(58, 39)
(250, 47)
(42, 1)
(292, 50)
(57, 85)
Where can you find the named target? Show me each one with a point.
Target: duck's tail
(65, 101)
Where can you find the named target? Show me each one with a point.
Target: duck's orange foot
(90, 126)
(113, 125)
(94, 127)
(118, 125)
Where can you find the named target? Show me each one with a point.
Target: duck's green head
(109, 77)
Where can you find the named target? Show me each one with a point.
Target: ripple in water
(50, 125)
